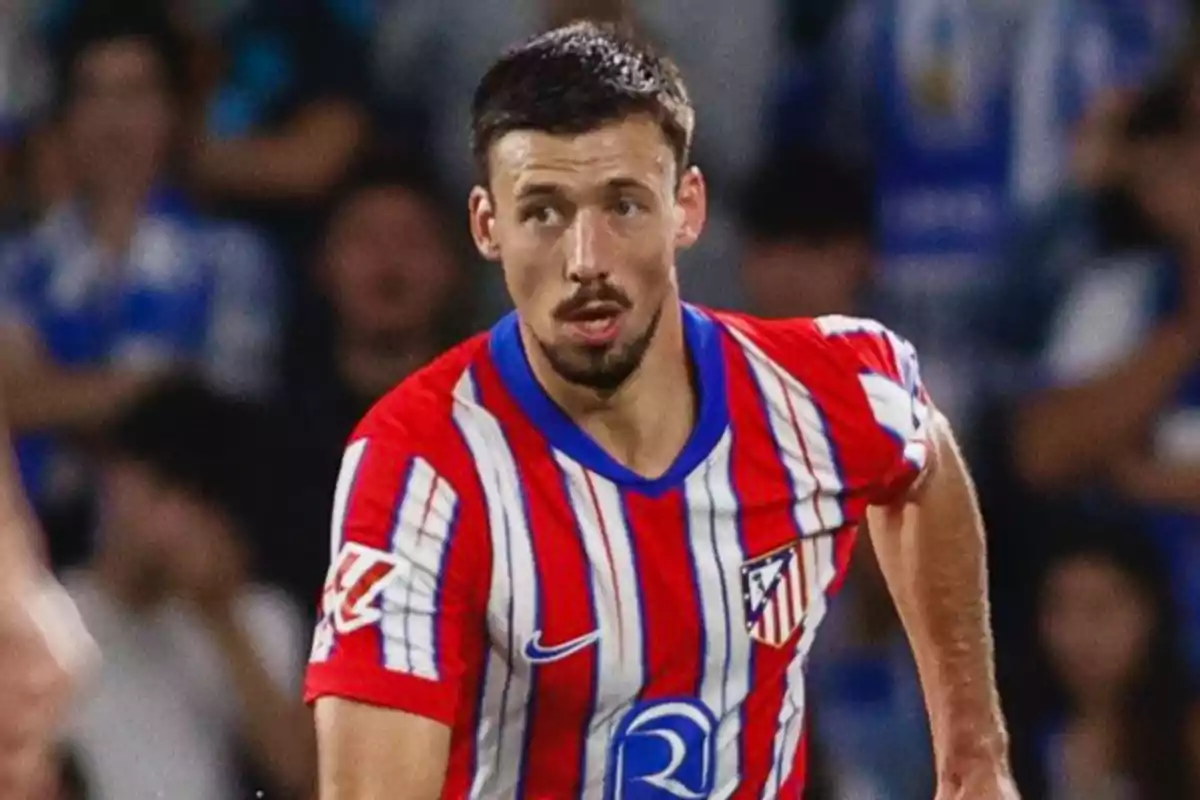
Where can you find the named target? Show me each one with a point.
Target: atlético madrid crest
(775, 596)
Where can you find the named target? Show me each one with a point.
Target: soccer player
(43, 646)
(585, 554)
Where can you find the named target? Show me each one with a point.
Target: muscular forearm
(277, 729)
(17, 546)
(932, 553)
(1148, 481)
(1069, 433)
(50, 398)
(301, 163)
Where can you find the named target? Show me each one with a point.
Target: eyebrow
(551, 189)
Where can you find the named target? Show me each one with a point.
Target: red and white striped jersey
(588, 632)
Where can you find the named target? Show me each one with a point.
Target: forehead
(119, 58)
(631, 150)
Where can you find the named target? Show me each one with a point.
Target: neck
(1099, 711)
(645, 423)
(113, 214)
(118, 577)
(372, 367)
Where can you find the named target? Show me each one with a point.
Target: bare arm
(300, 163)
(1068, 433)
(17, 547)
(1146, 480)
(932, 553)
(368, 753)
(43, 645)
(40, 395)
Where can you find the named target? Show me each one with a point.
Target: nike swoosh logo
(535, 653)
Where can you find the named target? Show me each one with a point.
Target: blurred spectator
(1102, 708)
(286, 109)
(1073, 56)
(941, 96)
(1123, 359)
(124, 280)
(25, 87)
(393, 280)
(808, 220)
(197, 659)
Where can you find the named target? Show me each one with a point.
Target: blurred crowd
(228, 226)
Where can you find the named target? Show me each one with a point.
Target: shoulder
(416, 419)
(831, 347)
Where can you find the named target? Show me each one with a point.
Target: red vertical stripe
(763, 488)
(556, 737)
(471, 646)
(793, 787)
(376, 494)
(672, 618)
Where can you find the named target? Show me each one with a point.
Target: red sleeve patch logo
(355, 582)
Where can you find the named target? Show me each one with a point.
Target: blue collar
(703, 338)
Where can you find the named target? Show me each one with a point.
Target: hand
(208, 564)
(44, 649)
(980, 781)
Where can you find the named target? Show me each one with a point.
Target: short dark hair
(98, 22)
(217, 449)
(575, 79)
(390, 168)
(810, 196)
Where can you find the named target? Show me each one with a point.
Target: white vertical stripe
(820, 569)
(323, 637)
(730, 556)
(803, 443)
(351, 460)
(791, 724)
(597, 506)
(717, 553)
(512, 614)
(820, 453)
(816, 485)
(419, 539)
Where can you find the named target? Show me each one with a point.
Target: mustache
(600, 293)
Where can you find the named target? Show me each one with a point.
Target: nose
(585, 245)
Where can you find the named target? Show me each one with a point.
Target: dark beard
(602, 369)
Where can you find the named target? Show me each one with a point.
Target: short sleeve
(896, 439)
(1101, 320)
(402, 603)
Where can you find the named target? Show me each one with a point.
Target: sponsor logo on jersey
(357, 578)
(663, 749)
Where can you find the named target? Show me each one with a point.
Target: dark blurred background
(228, 226)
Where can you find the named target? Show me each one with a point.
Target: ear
(483, 222)
(691, 208)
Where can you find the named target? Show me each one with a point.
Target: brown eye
(627, 207)
(540, 215)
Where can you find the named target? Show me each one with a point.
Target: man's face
(795, 279)
(121, 118)
(586, 227)
(389, 268)
(135, 522)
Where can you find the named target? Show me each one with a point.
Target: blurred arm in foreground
(43, 645)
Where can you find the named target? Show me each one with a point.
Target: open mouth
(595, 323)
